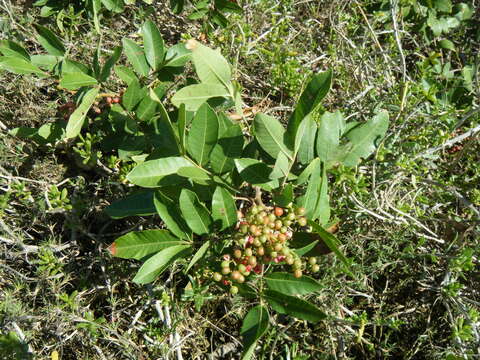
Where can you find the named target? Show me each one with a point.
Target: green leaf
(280, 170)
(19, 66)
(285, 197)
(446, 44)
(169, 212)
(154, 45)
(308, 244)
(48, 62)
(253, 328)
(195, 213)
(12, 49)
(198, 255)
(210, 65)
(159, 172)
(146, 109)
(301, 309)
(224, 210)
(139, 204)
(363, 139)
(177, 56)
(114, 5)
(305, 174)
(288, 284)
(330, 240)
(109, 64)
(194, 96)
(311, 97)
(138, 244)
(256, 173)
(229, 147)
(443, 5)
(76, 80)
(49, 41)
(305, 140)
(136, 57)
(76, 120)
(312, 194)
(330, 129)
(158, 263)
(196, 174)
(182, 127)
(125, 74)
(70, 66)
(203, 134)
(133, 95)
(322, 209)
(270, 134)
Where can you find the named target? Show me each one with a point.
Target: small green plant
(242, 202)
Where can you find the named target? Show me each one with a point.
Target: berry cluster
(262, 237)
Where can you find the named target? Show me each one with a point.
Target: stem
(258, 196)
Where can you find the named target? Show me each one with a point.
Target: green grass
(408, 217)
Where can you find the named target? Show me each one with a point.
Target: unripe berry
(254, 210)
(252, 261)
(260, 251)
(241, 279)
(257, 242)
(225, 270)
(291, 216)
(225, 264)
(283, 229)
(300, 211)
(278, 211)
(315, 268)
(248, 252)
(235, 275)
(297, 263)
(282, 238)
(312, 261)
(278, 247)
(259, 219)
(297, 273)
(273, 254)
(287, 222)
(289, 260)
(241, 268)
(253, 228)
(234, 290)
(263, 239)
(237, 253)
(217, 276)
(272, 217)
(302, 221)
(244, 229)
(266, 220)
(278, 224)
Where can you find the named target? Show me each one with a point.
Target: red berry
(278, 211)
(116, 100)
(226, 282)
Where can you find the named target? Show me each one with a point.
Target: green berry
(252, 260)
(235, 275)
(234, 290)
(291, 216)
(278, 247)
(237, 253)
(225, 270)
(241, 279)
(217, 277)
(225, 264)
(244, 229)
(300, 211)
(302, 221)
(312, 261)
(297, 273)
(283, 229)
(248, 252)
(315, 268)
(263, 239)
(272, 217)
